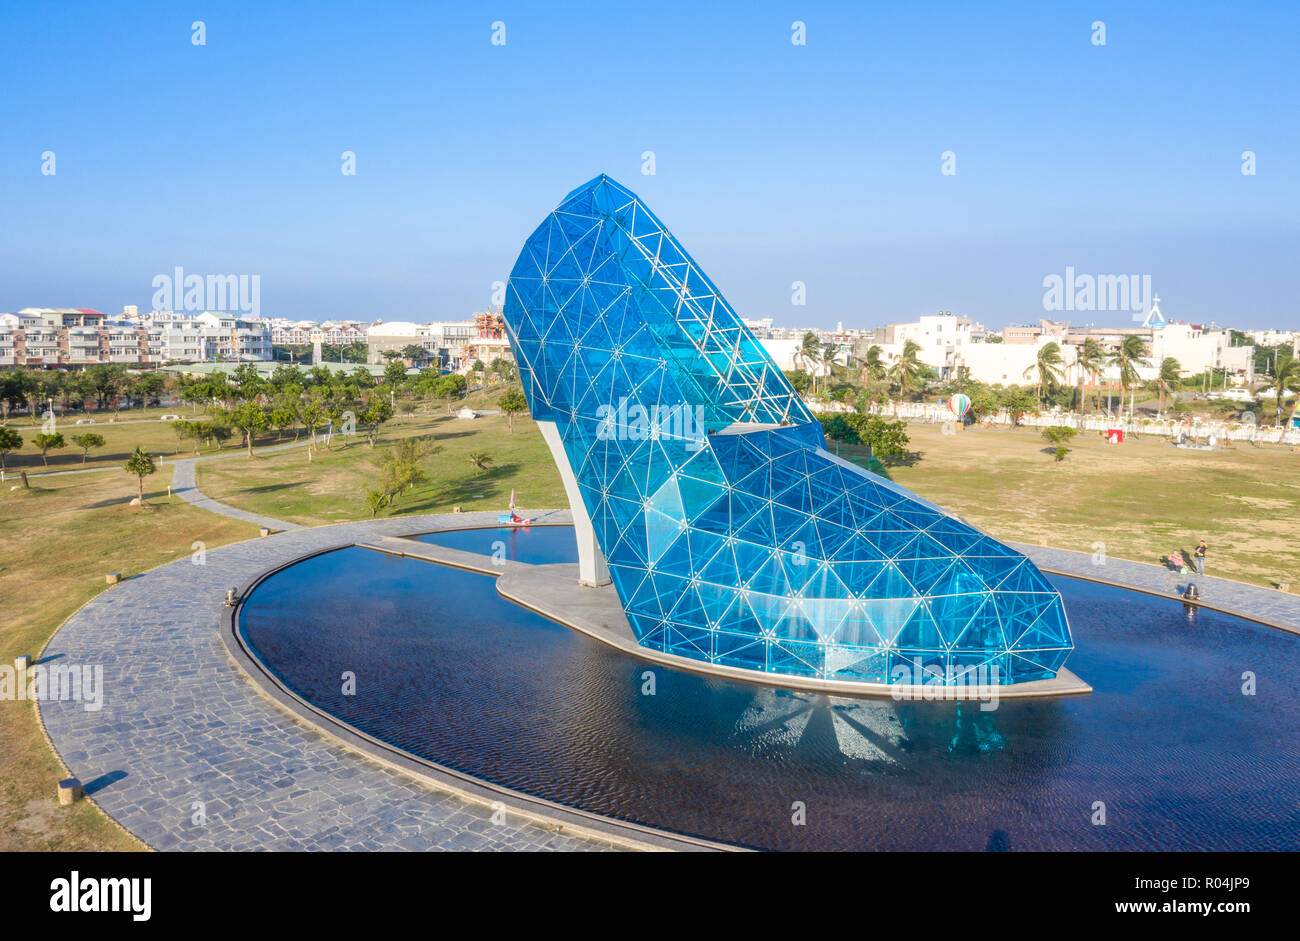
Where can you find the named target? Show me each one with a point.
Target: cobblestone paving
(181, 724)
(1269, 604)
(184, 486)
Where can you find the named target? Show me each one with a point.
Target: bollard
(113, 577)
(264, 531)
(70, 791)
(1284, 586)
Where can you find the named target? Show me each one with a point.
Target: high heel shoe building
(701, 484)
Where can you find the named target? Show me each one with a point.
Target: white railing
(1197, 430)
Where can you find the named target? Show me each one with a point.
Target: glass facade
(732, 535)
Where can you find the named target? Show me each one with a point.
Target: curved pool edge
(123, 623)
(563, 819)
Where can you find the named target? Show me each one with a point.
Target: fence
(1198, 430)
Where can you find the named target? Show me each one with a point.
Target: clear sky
(774, 162)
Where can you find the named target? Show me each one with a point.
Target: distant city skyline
(821, 164)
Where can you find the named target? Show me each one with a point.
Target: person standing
(1200, 557)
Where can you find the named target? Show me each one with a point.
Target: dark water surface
(450, 671)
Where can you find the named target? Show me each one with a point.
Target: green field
(121, 436)
(1143, 498)
(57, 542)
(329, 488)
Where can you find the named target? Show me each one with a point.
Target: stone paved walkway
(1250, 601)
(185, 487)
(182, 724)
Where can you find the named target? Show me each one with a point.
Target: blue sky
(775, 163)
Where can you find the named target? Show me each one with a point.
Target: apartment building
(50, 337)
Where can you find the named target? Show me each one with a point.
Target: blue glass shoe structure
(703, 483)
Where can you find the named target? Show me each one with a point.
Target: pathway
(186, 753)
(1269, 605)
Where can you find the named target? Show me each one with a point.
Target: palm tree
(1166, 383)
(141, 465)
(1049, 366)
(1286, 378)
(479, 459)
(873, 364)
(906, 371)
(1130, 355)
(810, 353)
(1091, 359)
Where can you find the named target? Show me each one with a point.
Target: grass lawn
(57, 541)
(137, 427)
(329, 488)
(1142, 498)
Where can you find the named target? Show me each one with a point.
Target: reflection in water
(784, 719)
(449, 670)
(976, 730)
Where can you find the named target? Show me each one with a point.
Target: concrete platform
(553, 591)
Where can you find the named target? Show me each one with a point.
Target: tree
(188, 429)
(150, 386)
(399, 470)
(378, 411)
(513, 401)
(394, 373)
(810, 355)
(1167, 380)
(218, 430)
(837, 428)
(282, 416)
(907, 370)
(16, 387)
(1130, 355)
(885, 438)
(47, 441)
(450, 386)
(479, 459)
(376, 500)
(1049, 367)
(10, 440)
(313, 413)
(283, 378)
(798, 379)
(1018, 402)
(248, 384)
(873, 365)
(142, 465)
(104, 381)
(1059, 434)
(87, 441)
(1286, 378)
(1091, 359)
(249, 418)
